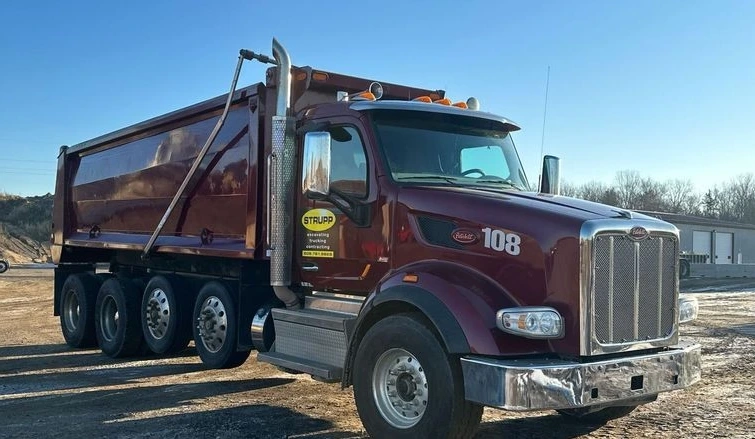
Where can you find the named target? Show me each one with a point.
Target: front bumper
(557, 384)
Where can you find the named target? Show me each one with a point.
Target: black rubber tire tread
(128, 337)
(599, 417)
(684, 269)
(454, 418)
(178, 334)
(227, 357)
(85, 286)
(4, 266)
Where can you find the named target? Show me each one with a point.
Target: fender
(459, 301)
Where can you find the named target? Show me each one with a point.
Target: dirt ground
(47, 389)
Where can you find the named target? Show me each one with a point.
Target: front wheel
(406, 386)
(4, 265)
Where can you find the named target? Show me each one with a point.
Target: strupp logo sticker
(318, 220)
(465, 237)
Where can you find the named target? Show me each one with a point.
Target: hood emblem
(638, 233)
(465, 237)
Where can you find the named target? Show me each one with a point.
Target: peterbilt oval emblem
(465, 237)
(638, 233)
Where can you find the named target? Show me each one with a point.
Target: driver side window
(348, 161)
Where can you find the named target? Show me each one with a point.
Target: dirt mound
(25, 228)
(17, 248)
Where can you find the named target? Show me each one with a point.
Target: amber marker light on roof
(460, 105)
(444, 101)
(423, 99)
(320, 76)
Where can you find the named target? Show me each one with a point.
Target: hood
(557, 204)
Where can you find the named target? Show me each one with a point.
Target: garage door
(724, 244)
(701, 245)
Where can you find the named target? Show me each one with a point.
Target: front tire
(407, 386)
(117, 322)
(4, 265)
(215, 328)
(165, 317)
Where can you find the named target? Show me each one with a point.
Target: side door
(342, 242)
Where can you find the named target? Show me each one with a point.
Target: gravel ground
(47, 389)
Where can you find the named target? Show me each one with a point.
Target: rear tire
(215, 328)
(165, 317)
(117, 322)
(407, 386)
(76, 309)
(4, 266)
(599, 417)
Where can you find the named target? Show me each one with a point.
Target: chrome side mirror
(316, 165)
(550, 182)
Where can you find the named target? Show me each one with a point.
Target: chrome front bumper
(557, 384)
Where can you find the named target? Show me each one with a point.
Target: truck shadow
(24, 359)
(180, 410)
(550, 426)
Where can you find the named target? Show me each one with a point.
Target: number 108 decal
(499, 241)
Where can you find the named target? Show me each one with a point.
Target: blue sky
(665, 88)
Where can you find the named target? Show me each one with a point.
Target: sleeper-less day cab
(372, 234)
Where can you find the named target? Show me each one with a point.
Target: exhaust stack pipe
(280, 202)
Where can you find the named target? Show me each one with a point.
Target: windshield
(436, 148)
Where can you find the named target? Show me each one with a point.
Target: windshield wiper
(451, 180)
(497, 181)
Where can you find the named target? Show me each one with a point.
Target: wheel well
(378, 313)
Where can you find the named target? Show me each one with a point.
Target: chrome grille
(634, 288)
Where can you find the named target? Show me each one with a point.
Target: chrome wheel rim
(71, 311)
(157, 313)
(109, 318)
(399, 385)
(212, 324)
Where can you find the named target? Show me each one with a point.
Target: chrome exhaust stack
(281, 195)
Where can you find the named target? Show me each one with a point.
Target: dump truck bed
(119, 185)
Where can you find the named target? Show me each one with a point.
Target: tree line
(732, 200)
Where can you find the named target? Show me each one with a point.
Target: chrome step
(322, 371)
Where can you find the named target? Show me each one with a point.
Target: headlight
(687, 309)
(531, 322)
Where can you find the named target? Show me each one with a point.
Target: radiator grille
(634, 289)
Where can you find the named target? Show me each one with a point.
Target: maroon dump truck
(377, 235)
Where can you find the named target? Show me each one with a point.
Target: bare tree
(628, 185)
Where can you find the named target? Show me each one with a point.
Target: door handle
(309, 266)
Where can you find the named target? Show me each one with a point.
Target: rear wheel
(117, 322)
(215, 328)
(76, 309)
(165, 317)
(597, 417)
(4, 265)
(406, 386)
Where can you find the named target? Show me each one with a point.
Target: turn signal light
(411, 278)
